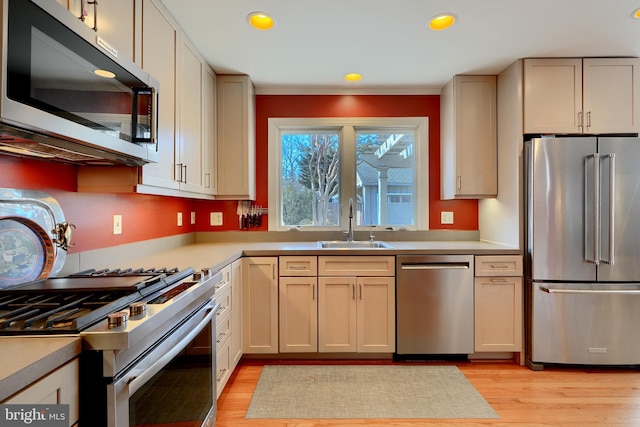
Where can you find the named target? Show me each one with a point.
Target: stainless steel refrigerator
(582, 197)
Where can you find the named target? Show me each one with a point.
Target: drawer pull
(220, 337)
(297, 267)
(221, 310)
(221, 375)
(499, 280)
(501, 266)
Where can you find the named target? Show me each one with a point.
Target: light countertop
(27, 359)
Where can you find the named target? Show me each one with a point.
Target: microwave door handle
(135, 382)
(154, 116)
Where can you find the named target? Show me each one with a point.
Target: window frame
(347, 128)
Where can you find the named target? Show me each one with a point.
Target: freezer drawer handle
(444, 266)
(591, 291)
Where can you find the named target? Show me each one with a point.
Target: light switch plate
(446, 217)
(117, 224)
(215, 218)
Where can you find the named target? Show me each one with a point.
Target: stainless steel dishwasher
(434, 304)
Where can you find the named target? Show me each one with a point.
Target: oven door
(174, 383)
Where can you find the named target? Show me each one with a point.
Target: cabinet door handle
(353, 291)
(579, 119)
(273, 272)
(184, 175)
(313, 292)
(207, 179)
(459, 182)
(588, 119)
(360, 292)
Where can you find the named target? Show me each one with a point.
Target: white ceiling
(315, 43)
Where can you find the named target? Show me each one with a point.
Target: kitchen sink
(354, 244)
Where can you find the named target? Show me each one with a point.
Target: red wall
(147, 217)
(143, 217)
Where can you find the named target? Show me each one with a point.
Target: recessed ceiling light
(261, 21)
(442, 21)
(636, 13)
(352, 77)
(104, 73)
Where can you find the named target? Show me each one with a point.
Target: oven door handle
(137, 381)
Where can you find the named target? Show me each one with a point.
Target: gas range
(74, 303)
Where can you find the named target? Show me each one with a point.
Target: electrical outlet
(179, 219)
(117, 224)
(215, 218)
(446, 217)
(193, 218)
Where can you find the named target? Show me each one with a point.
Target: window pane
(385, 175)
(310, 178)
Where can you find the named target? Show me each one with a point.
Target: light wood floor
(521, 397)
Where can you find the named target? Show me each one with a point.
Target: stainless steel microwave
(66, 93)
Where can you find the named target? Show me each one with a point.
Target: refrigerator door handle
(596, 208)
(612, 191)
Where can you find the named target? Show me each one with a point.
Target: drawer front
(223, 369)
(223, 330)
(298, 266)
(356, 265)
(508, 265)
(224, 298)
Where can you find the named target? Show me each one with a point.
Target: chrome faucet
(350, 232)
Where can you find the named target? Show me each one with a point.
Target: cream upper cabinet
(574, 95)
(115, 23)
(260, 305)
(498, 310)
(468, 138)
(209, 131)
(236, 138)
(193, 166)
(160, 38)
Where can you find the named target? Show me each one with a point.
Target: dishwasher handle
(435, 266)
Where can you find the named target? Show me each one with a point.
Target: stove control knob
(138, 309)
(197, 276)
(118, 318)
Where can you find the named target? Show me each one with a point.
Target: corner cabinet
(468, 150)
(356, 304)
(236, 138)
(498, 288)
(260, 305)
(575, 95)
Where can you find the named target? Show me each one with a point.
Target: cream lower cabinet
(228, 323)
(356, 312)
(498, 288)
(224, 330)
(58, 387)
(260, 305)
(298, 304)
